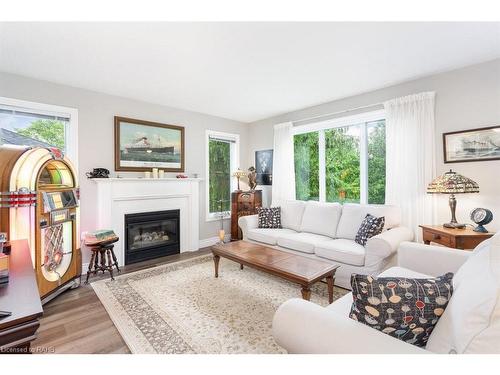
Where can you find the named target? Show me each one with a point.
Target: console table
(20, 296)
(465, 239)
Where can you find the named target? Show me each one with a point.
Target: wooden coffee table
(294, 268)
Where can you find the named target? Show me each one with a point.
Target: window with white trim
(33, 124)
(222, 160)
(341, 160)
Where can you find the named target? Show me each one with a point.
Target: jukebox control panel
(57, 207)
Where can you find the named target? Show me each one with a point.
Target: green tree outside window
(48, 131)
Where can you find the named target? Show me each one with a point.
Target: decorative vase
(222, 234)
(342, 195)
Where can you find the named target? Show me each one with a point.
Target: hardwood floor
(76, 321)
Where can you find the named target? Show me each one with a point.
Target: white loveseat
(327, 231)
(470, 323)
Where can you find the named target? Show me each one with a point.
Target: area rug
(182, 308)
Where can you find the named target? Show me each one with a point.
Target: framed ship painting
(472, 145)
(142, 145)
(264, 167)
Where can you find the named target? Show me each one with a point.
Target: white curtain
(283, 165)
(410, 158)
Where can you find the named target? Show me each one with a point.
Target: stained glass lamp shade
(453, 183)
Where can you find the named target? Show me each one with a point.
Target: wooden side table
(465, 239)
(20, 297)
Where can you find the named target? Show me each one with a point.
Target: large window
(306, 166)
(342, 160)
(222, 160)
(38, 125)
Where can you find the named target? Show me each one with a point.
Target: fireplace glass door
(151, 234)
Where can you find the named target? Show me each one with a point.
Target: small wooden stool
(103, 258)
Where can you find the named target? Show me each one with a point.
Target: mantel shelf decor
(453, 183)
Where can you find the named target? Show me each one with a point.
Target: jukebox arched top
(31, 167)
(39, 201)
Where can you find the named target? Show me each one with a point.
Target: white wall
(465, 99)
(96, 140)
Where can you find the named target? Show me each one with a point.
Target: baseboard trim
(207, 242)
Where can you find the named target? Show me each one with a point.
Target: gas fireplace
(151, 235)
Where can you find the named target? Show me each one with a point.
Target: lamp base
(454, 225)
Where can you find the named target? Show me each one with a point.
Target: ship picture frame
(142, 145)
(480, 144)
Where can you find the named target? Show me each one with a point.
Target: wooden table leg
(89, 271)
(115, 261)
(329, 281)
(110, 263)
(216, 264)
(306, 292)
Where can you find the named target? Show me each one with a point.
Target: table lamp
(452, 183)
(239, 174)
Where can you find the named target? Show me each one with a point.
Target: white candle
(161, 173)
(155, 172)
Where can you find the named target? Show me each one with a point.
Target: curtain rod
(337, 113)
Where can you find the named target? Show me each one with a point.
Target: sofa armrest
(303, 327)
(431, 260)
(248, 222)
(386, 243)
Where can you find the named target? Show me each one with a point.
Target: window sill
(211, 218)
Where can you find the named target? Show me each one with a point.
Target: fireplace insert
(151, 235)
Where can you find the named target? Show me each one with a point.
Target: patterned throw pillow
(371, 226)
(269, 217)
(404, 308)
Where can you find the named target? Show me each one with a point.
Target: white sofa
(327, 231)
(470, 323)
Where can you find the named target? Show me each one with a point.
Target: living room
(249, 187)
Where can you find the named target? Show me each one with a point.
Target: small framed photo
(472, 145)
(142, 145)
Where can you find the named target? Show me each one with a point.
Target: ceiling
(241, 71)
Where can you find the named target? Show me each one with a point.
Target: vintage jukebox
(39, 202)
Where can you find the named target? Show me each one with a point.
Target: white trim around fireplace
(119, 196)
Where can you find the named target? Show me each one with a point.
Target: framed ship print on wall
(142, 145)
(472, 145)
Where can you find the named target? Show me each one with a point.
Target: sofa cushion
(321, 218)
(353, 215)
(291, 214)
(269, 217)
(267, 235)
(370, 226)
(342, 306)
(304, 242)
(341, 250)
(405, 308)
(471, 323)
(403, 272)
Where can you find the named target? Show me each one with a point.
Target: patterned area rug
(182, 308)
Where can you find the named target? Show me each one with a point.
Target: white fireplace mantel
(117, 197)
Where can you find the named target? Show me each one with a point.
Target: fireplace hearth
(151, 235)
